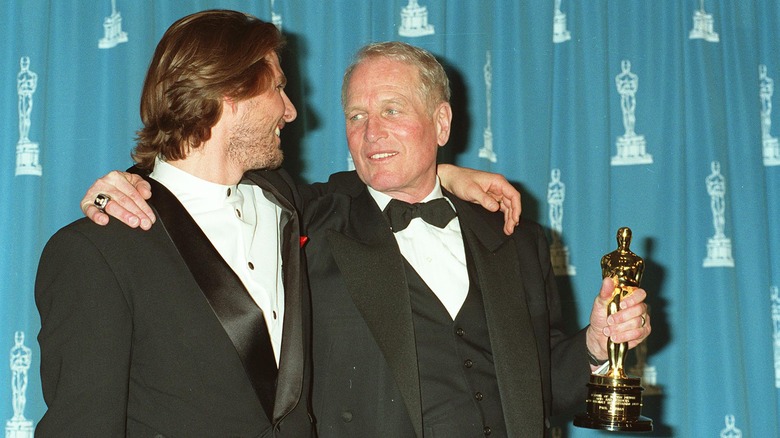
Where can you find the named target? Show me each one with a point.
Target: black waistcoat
(460, 395)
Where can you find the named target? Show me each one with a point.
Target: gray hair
(434, 84)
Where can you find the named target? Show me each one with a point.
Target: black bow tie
(438, 213)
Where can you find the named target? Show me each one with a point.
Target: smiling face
(254, 141)
(392, 131)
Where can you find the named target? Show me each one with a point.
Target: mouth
(382, 155)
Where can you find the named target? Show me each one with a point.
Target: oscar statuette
(614, 400)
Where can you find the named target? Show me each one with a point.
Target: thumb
(607, 287)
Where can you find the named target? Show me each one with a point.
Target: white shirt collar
(382, 199)
(437, 254)
(228, 216)
(191, 190)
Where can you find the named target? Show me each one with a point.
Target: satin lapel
(373, 270)
(511, 331)
(292, 359)
(239, 315)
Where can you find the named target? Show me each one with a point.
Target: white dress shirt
(243, 225)
(437, 254)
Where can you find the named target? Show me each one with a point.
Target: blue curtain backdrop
(652, 114)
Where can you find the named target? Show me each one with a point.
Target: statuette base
(614, 405)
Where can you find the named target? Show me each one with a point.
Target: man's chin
(270, 163)
(275, 164)
(378, 184)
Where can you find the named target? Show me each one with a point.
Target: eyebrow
(396, 100)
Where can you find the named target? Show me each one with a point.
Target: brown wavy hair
(201, 59)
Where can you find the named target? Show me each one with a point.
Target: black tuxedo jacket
(151, 334)
(365, 362)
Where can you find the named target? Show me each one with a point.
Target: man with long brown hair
(189, 329)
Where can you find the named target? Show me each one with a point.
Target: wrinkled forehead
(384, 75)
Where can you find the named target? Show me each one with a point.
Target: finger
(144, 188)
(488, 201)
(132, 209)
(630, 317)
(515, 200)
(630, 331)
(644, 320)
(505, 204)
(644, 332)
(598, 314)
(127, 204)
(114, 208)
(618, 336)
(142, 192)
(510, 202)
(131, 219)
(511, 214)
(106, 185)
(94, 214)
(636, 297)
(85, 204)
(509, 222)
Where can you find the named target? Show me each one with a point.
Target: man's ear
(228, 103)
(442, 116)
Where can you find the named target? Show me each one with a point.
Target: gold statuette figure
(615, 399)
(625, 268)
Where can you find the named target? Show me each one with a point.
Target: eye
(355, 117)
(392, 111)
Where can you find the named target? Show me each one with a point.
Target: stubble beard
(248, 149)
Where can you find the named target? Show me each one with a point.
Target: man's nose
(374, 130)
(290, 113)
